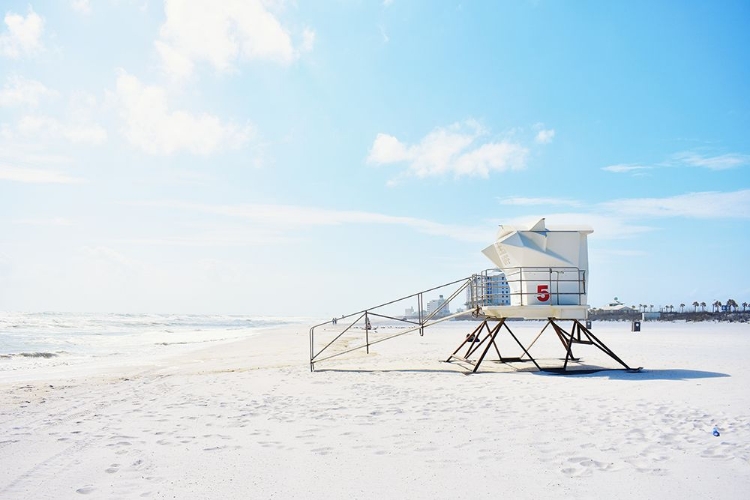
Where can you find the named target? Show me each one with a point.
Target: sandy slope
(249, 420)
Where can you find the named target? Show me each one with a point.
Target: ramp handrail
(420, 322)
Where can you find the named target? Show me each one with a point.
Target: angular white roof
(540, 246)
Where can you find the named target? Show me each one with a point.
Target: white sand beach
(248, 419)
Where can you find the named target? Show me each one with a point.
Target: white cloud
(78, 127)
(456, 149)
(224, 237)
(222, 271)
(44, 126)
(721, 162)
(15, 152)
(703, 205)
(19, 91)
(606, 226)
(624, 218)
(619, 219)
(23, 36)
(545, 136)
(690, 159)
(81, 6)
(36, 176)
(175, 62)
(222, 33)
(383, 34)
(54, 221)
(151, 126)
(624, 169)
(284, 217)
(523, 201)
(308, 40)
(387, 149)
(108, 261)
(5, 266)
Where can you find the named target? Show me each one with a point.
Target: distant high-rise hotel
(435, 304)
(488, 290)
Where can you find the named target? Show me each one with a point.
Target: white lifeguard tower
(546, 270)
(547, 273)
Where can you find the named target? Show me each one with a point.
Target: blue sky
(315, 158)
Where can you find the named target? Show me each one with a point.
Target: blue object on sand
(716, 432)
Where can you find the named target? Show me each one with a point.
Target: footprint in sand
(585, 466)
(425, 449)
(215, 448)
(644, 467)
(713, 452)
(119, 444)
(271, 444)
(85, 490)
(112, 468)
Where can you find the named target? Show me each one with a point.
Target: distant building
(488, 290)
(616, 306)
(434, 305)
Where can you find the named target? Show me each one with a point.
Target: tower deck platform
(536, 312)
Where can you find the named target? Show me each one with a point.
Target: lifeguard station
(546, 272)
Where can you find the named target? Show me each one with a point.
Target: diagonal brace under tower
(476, 341)
(485, 336)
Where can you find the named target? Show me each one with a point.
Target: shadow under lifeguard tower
(546, 273)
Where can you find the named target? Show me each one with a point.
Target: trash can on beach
(636, 326)
(588, 324)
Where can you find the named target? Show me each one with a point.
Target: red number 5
(543, 291)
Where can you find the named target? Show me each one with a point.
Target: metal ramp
(360, 330)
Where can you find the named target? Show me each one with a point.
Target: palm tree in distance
(744, 306)
(717, 306)
(651, 308)
(731, 304)
(695, 305)
(703, 306)
(682, 308)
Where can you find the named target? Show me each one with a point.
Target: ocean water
(54, 338)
